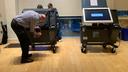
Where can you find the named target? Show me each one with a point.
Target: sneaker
(28, 60)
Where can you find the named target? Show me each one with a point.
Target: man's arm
(32, 25)
(35, 29)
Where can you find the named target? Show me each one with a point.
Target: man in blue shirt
(27, 20)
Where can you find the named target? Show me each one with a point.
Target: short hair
(50, 5)
(39, 6)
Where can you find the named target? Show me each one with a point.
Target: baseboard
(14, 40)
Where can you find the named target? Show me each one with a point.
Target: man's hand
(37, 29)
(37, 34)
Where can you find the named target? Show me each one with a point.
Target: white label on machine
(93, 2)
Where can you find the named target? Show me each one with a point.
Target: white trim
(97, 21)
(15, 40)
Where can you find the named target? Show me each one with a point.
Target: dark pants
(22, 36)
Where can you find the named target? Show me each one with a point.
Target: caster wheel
(104, 46)
(113, 50)
(53, 48)
(83, 50)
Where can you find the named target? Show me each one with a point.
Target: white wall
(121, 4)
(2, 10)
(65, 7)
(10, 12)
(118, 4)
(110, 4)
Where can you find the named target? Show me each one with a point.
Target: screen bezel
(97, 21)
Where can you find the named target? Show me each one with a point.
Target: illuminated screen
(97, 15)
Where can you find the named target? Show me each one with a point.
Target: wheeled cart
(100, 27)
(99, 35)
(48, 37)
(48, 30)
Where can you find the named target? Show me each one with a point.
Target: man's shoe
(28, 60)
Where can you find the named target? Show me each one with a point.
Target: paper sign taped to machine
(93, 3)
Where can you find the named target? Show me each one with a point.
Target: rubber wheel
(53, 48)
(104, 45)
(83, 50)
(113, 50)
